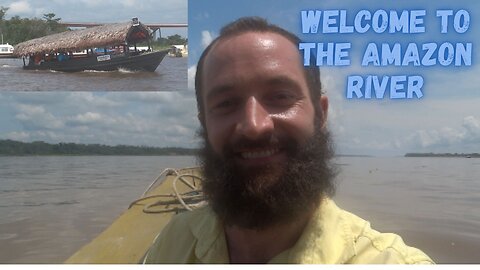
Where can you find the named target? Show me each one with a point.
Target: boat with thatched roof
(103, 48)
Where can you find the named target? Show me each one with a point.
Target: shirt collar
(211, 245)
(327, 238)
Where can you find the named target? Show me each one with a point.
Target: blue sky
(445, 119)
(134, 118)
(104, 11)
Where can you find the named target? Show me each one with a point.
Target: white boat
(178, 51)
(6, 51)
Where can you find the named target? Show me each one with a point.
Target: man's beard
(256, 198)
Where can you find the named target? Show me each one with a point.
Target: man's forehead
(252, 41)
(249, 49)
(251, 58)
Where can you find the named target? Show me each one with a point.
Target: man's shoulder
(371, 246)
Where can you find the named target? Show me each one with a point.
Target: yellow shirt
(332, 236)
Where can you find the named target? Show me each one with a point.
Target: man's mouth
(260, 153)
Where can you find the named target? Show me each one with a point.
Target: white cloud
(156, 97)
(129, 3)
(33, 116)
(207, 38)
(89, 117)
(92, 3)
(38, 12)
(428, 138)
(30, 110)
(132, 118)
(472, 128)
(20, 7)
(447, 137)
(19, 136)
(191, 77)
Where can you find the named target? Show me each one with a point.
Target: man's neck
(260, 246)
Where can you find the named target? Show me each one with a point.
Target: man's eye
(224, 106)
(282, 99)
(283, 96)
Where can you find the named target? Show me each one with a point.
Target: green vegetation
(16, 29)
(171, 40)
(166, 43)
(472, 155)
(16, 148)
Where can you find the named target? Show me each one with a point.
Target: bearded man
(267, 164)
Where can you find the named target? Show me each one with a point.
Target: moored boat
(103, 48)
(6, 51)
(178, 51)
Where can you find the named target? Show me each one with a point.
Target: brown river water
(51, 206)
(171, 75)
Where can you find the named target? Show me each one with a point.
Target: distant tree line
(17, 148)
(171, 40)
(164, 43)
(471, 155)
(16, 29)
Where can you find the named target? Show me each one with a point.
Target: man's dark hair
(257, 24)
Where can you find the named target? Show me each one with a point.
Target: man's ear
(323, 109)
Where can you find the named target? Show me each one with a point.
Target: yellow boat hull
(127, 240)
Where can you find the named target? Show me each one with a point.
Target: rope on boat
(185, 201)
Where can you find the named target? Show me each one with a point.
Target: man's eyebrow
(274, 81)
(282, 80)
(219, 90)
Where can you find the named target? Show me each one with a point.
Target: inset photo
(93, 46)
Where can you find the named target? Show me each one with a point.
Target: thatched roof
(99, 36)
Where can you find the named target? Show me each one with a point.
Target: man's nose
(256, 120)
